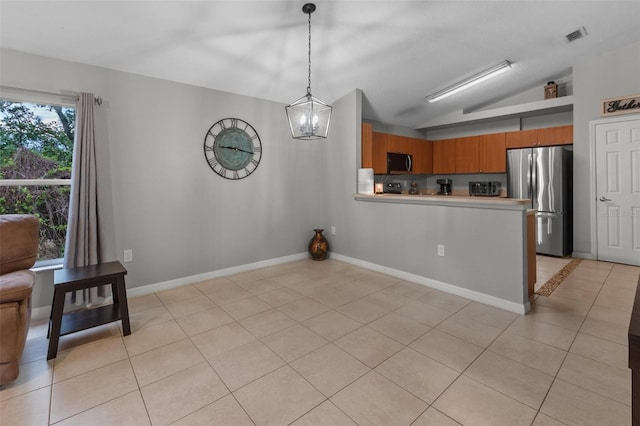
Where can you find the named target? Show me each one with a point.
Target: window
(36, 151)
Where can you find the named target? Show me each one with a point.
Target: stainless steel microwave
(399, 163)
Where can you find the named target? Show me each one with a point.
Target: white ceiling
(396, 51)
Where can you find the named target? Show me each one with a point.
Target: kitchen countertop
(500, 203)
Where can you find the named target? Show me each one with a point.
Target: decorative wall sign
(617, 106)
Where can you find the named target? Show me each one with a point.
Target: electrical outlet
(128, 255)
(440, 249)
(333, 230)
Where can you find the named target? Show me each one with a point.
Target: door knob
(604, 199)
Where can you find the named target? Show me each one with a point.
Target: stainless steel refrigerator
(544, 176)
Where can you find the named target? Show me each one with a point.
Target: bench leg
(120, 297)
(50, 316)
(57, 310)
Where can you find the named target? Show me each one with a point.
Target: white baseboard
(584, 255)
(167, 285)
(40, 312)
(439, 285)
(44, 311)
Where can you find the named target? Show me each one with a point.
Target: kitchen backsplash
(427, 183)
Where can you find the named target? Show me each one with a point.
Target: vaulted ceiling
(396, 51)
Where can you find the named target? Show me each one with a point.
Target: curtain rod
(73, 96)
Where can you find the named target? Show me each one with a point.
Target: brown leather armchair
(19, 236)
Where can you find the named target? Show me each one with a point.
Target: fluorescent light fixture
(470, 81)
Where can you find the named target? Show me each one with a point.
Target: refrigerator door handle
(549, 215)
(529, 177)
(534, 178)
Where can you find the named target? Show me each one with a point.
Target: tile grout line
(405, 346)
(555, 377)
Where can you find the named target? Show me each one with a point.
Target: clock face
(232, 148)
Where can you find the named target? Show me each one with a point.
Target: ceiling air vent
(579, 33)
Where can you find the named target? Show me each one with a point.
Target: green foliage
(36, 142)
(22, 127)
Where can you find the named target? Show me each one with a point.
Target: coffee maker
(445, 186)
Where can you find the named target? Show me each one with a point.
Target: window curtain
(84, 244)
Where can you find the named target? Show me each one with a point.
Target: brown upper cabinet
(444, 157)
(492, 153)
(422, 151)
(471, 154)
(562, 135)
(375, 146)
(366, 154)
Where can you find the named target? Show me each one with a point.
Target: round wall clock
(232, 148)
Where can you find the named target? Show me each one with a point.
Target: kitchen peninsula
(475, 247)
(447, 200)
(479, 247)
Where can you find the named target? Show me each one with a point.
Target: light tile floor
(547, 267)
(328, 343)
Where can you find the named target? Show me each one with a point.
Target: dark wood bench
(634, 357)
(73, 279)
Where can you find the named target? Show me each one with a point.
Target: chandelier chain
(309, 56)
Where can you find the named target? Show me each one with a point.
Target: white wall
(616, 73)
(163, 201)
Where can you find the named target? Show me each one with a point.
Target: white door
(617, 151)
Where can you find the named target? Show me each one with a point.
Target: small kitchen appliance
(365, 181)
(399, 163)
(484, 189)
(392, 188)
(445, 186)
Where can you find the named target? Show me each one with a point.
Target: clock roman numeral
(234, 122)
(212, 162)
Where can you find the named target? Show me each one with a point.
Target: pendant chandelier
(309, 117)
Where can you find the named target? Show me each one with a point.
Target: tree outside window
(36, 151)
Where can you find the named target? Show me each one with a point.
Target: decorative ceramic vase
(318, 246)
